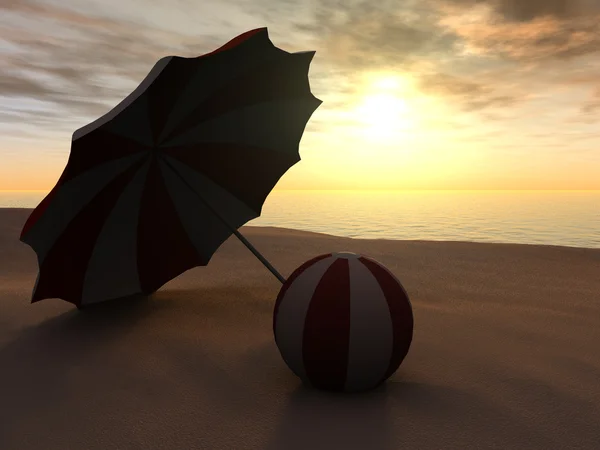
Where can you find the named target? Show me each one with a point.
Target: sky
(417, 94)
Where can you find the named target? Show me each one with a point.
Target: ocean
(567, 218)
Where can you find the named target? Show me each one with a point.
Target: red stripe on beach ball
(327, 329)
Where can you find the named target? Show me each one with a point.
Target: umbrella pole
(250, 247)
(262, 259)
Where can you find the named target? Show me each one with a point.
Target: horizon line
(376, 190)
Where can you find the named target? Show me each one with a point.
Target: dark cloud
(448, 85)
(542, 40)
(527, 30)
(592, 106)
(14, 84)
(528, 10)
(365, 34)
(492, 101)
(470, 95)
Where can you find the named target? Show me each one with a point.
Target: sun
(383, 113)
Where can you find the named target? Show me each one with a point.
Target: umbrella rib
(244, 241)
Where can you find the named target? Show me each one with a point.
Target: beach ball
(343, 322)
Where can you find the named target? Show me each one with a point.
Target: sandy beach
(505, 355)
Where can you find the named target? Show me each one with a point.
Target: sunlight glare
(383, 113)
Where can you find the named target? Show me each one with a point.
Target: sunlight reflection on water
(570, 218)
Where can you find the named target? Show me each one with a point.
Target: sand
(506, 355)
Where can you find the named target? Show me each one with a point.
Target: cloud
(525, 31)
(592, 106)
(79, 64)
(528, 10)
(406, 37)
(358, 35)
(472, 95)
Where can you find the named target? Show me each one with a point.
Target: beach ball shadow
(389, 417)
(315, 419)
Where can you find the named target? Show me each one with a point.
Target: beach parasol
(155, 186)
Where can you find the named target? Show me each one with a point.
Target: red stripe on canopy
(164, 248)
(38, 212)
(87, 152)
(62, 273)
(327, 329)
(236, 41)
(400, 311)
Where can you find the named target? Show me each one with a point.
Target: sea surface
(567, 218)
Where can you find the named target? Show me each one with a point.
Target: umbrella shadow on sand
(37, 364)
(42, 364)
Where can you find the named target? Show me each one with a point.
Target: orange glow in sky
(467, 98)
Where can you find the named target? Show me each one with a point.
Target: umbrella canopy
(155, 186)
